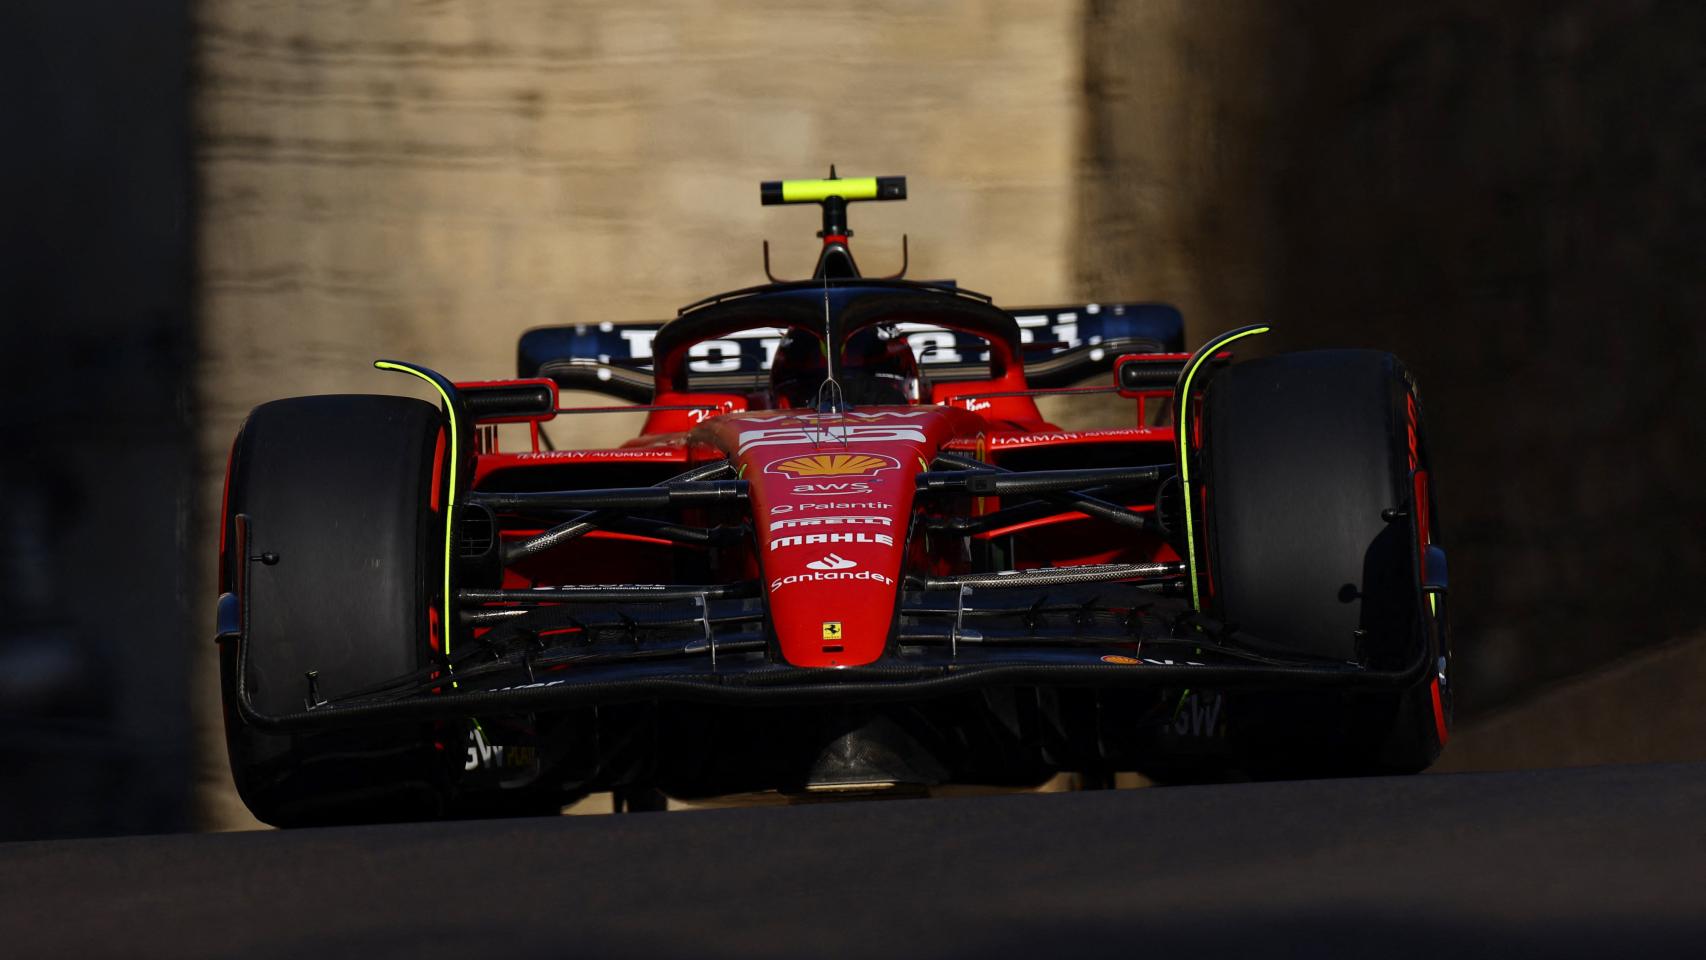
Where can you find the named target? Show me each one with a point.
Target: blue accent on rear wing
(1075, 342)
(1064, 344)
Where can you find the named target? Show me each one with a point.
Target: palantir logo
(831, 562)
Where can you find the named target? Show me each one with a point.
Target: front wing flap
(716, 651)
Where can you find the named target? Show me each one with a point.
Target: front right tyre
(1317, 509)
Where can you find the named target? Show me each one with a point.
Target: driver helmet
(877, 367)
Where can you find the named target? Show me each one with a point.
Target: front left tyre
(340, 496)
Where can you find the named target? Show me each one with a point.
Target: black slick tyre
(1317, 509)
(338, 491)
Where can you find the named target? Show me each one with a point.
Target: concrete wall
(1638, 710)
(425, 181)
(1506, 195)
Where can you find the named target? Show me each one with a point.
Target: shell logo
(833, 465)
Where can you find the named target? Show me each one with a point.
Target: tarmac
(1579, 862)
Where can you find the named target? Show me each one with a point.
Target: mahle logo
(811, 539)
(833, 465)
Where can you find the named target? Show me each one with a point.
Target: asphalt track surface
(1590, 862)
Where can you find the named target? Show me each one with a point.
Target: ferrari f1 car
(845, 553)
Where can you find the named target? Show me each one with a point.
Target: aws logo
(833, 465)
(833, 488)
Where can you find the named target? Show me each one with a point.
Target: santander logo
(831, 562)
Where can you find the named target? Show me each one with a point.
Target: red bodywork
(831, 503)
(831, 498)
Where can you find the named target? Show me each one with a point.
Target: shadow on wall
(95, 407)
(1506, 196)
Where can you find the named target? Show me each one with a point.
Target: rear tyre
(339, 488)
(1317, 505)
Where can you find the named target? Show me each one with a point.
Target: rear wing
(1062, 346)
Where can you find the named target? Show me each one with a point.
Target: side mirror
(1148, 378)
(1140, 375)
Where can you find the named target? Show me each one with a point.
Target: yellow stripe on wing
(1182, 426)
(450, 488)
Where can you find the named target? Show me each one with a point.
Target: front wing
(709, 645)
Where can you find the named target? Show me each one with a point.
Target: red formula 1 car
(845, 553)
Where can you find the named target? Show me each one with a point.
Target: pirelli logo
(830, 522)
